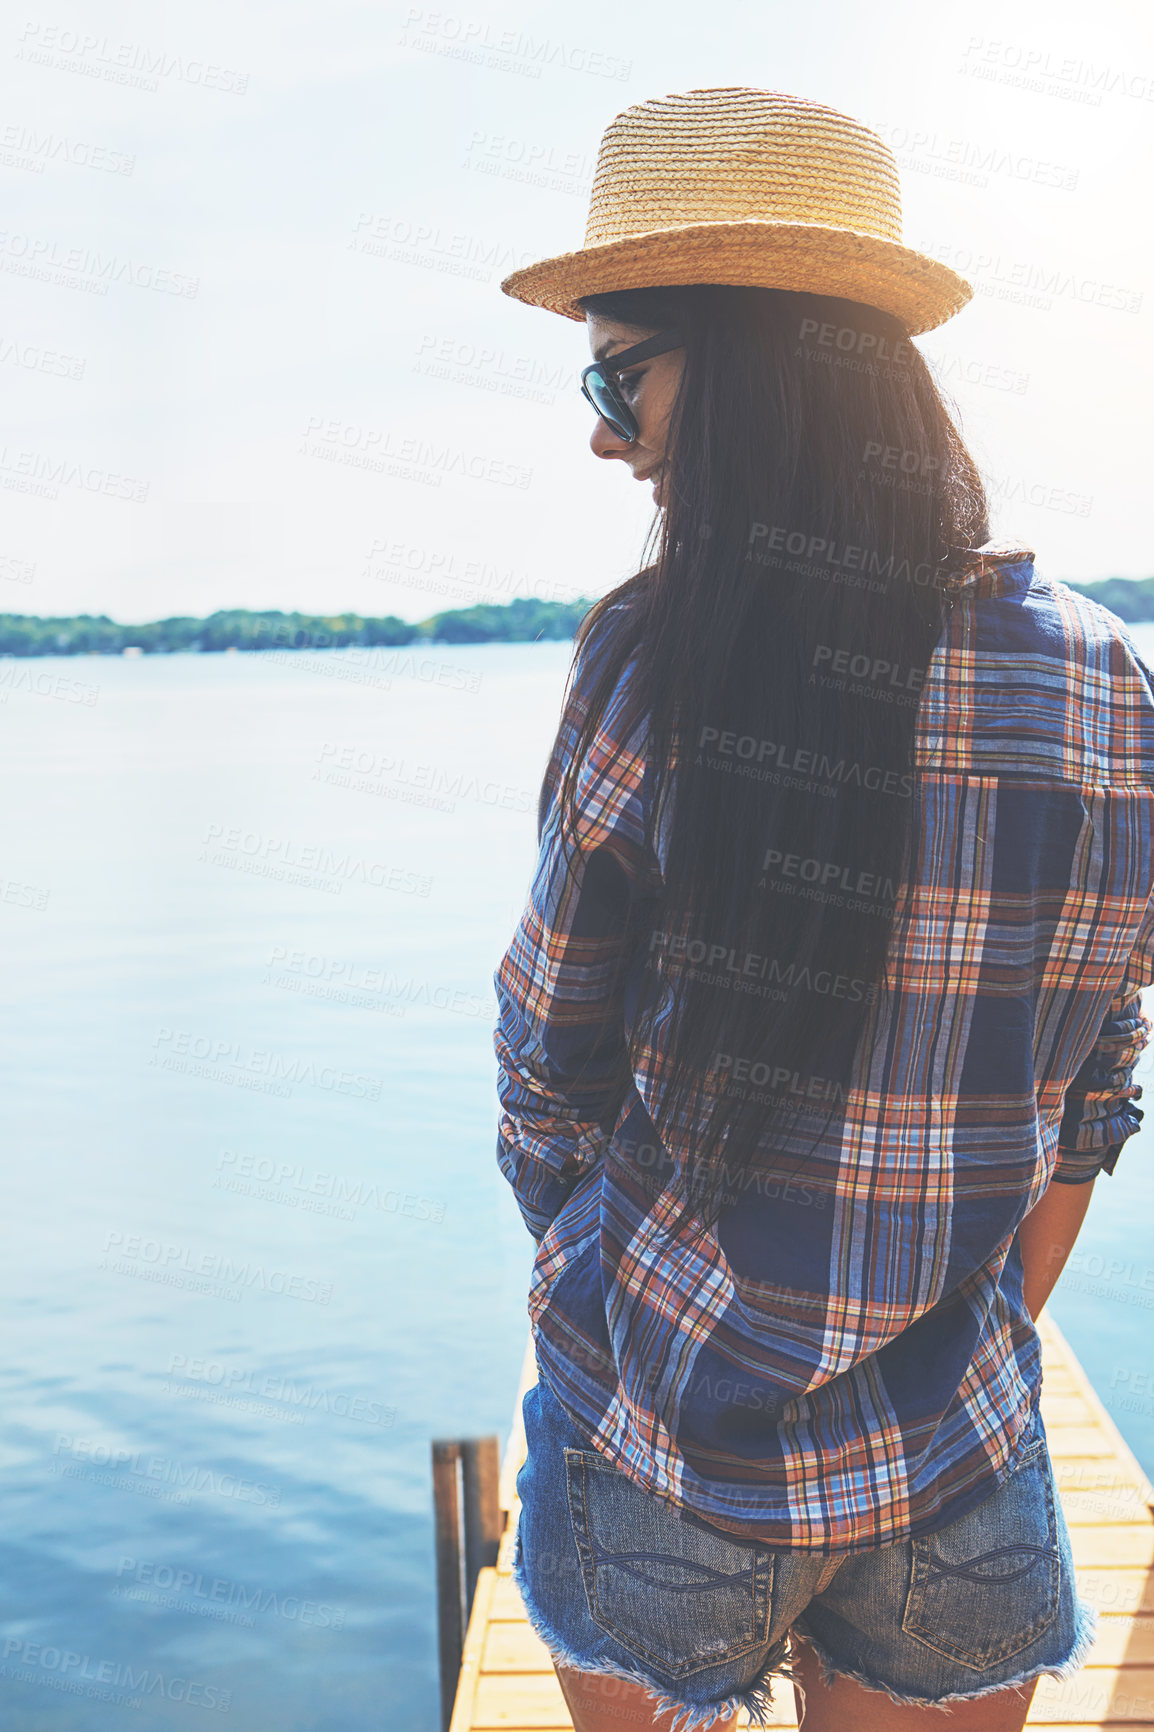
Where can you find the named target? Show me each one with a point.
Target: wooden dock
(507, 1680)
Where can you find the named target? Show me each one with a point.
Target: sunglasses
(601, 389)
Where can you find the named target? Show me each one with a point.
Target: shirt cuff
(1081, 1166)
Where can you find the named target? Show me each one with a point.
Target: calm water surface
(261, 1252)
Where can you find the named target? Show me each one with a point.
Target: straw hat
(737, 185)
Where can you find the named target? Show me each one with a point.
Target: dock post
(481, 1472)
(467, 1514)
(450, 1587)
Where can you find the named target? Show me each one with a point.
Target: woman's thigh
(842, 1703)
(600, 1703)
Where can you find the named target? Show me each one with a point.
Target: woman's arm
(1099, 1116)
(1046, 1237)
(563, 1068)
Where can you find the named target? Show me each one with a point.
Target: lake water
(260, 1251)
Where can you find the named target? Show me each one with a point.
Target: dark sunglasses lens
(607, 406)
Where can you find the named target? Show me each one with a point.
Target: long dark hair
(818, 491)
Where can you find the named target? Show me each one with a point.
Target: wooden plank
(529, 1701)
(1095, 1508)
(1052, 1337)
(1115, 1592)
(515, 1647)
(1120, 1495)
(506, 1602)
(1059, 1411)
(472, 1653)
(515, 1448)
(1121, 1642)
(1119, 1547)
(1057, 1379)
(1089, 1442)
(1106, 1698)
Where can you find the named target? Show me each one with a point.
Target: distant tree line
(523, 620)
(1131, 598)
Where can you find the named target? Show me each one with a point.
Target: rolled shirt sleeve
(560, 1041)
(1099, 1113)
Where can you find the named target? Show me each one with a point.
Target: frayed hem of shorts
(1086, 1630)
(756, 1698)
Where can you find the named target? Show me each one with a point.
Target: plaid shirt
(857, 1366)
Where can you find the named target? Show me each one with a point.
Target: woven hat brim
(920, 291)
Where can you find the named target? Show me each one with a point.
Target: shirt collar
(995, 568)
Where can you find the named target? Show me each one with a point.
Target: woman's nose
(604, 442)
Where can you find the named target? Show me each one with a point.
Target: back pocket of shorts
(676, 1595)
(987, 1586)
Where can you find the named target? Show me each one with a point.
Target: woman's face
(649, 389)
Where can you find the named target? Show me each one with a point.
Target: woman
(823, 1013)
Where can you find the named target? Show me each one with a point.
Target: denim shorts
(618, 1581)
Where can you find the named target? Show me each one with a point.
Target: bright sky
(251, 256)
